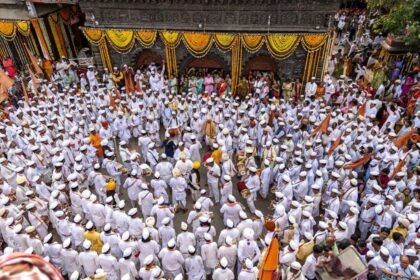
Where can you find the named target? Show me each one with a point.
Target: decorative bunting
(282, 46)
(171, 39)
(224, 41)
(121, 40)
(198, 44)
(312, 42)
(252, 43)
(146, 38)
(93, 35)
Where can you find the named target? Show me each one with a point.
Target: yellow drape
(93, 35)
(57, 34)
(146, 38)
(236, 63)
(171, 39)
(103, 51)
(282, 46)
(252, 43)
(224, 41)
(198, 44)
(23, 27)
(121, 40)
(171, 63)
(41, 38)
(312, 42)
(7, 30)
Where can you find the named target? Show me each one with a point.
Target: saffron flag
(323, 126)
(335, 144)
(34, 61)
(358, 162)
(270, 261)
(361, 112)
(403, 139)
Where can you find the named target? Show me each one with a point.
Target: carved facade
(212, 15)
(306, 16)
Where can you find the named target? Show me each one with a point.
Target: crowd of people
(129, 174)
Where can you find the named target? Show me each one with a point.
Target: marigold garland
(121, 40)
(281, 46)
(146, 38)
(252, 42)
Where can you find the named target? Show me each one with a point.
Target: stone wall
(212, 15)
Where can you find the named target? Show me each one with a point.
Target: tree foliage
(399, 17)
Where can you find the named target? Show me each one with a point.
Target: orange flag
(358, 162)
(323, 126)
(335, 144)
(362, 110)
(270, 261)
(403, 139)
(5, 83)
(34, 62)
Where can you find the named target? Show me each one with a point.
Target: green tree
(398, 17)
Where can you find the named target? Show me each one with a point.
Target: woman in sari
(209, 83)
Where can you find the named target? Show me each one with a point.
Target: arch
(147, 56)
(261, 62)
(205, 62)
(213, 60)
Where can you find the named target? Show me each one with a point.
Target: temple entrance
(148, 56)
(261, 62)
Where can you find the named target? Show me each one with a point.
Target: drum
(243, 190)
(205, 157)
(174, 131)
(241, 186)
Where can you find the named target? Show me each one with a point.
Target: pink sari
(209, 84)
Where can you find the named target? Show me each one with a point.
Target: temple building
(291, 39)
